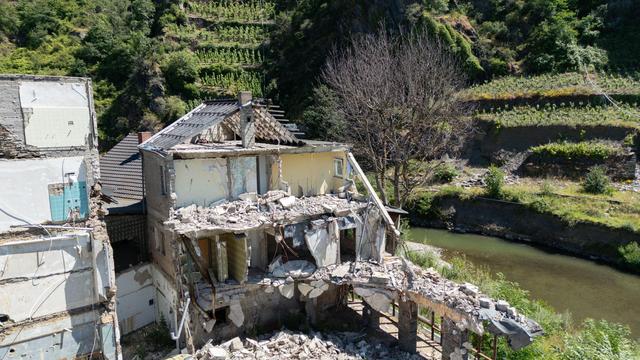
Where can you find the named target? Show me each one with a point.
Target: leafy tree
(9, 21)
(181, 71)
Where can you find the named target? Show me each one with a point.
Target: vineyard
(241, 36)
(229, 56)
(233, 82)
(550, 85)
(241, 12)
(227, 38)
(571, 114)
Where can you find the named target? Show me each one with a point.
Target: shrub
(631, 254)
(573, 151)
(494, 182)
(547, 189)
(600, 340)
(597, 181)
(445, 173)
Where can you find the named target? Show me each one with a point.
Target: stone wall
(619, 167)
(12, 148)
(491, 139)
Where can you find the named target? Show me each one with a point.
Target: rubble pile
(253, 210)
(289, 345)
(381, 284)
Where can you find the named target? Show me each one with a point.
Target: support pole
(453, 341)
(408, 325)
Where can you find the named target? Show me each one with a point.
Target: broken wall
(62, 281)
(56, 113)
(55, 284)
(309, 173)
(258, 309)
(136, 298)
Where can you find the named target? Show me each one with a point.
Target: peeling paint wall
(166, 297)
(28, 191)
(55, 284)
(200, 181)
(310, 173)
(243, 175)
(136, 298)
(61, 281)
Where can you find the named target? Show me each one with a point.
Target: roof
(226, 114)
(121, 169)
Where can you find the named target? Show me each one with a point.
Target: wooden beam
(372, 192)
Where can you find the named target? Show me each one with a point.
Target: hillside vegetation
(151, 60)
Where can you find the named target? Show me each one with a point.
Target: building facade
(56, 265)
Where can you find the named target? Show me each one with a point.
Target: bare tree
(399, 96)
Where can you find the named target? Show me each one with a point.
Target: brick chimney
(143, 136)
(247, 126)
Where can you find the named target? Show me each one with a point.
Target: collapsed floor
(254, 211)
(293, 345)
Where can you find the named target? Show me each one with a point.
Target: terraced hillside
(227, 37)
(567, 114)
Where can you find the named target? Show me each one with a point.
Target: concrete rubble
(397, 279)
(381, 284)
(292, 345)
(274, 207)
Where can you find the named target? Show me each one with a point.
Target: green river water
(582, 287)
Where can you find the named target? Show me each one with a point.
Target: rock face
(290, 345)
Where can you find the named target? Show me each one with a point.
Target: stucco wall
(49, 280)
(200, 181)
(310, 173)
(157, 203)
(136, 298)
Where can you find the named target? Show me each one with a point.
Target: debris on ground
(294, 345)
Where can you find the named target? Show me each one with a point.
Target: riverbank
(605, 229)
(564, 339)
(546, 275)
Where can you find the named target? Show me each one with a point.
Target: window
(338, 168)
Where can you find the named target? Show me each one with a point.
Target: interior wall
(57, 114)
(26, 192)
(309, 173)
(237, 258)
(200, 181)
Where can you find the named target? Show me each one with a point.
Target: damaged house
(250, 227)
(57, 282)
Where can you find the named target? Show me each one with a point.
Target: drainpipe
(175, 336)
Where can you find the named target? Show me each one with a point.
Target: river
(582, 287)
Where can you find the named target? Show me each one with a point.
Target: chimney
(143, 136)
(247, 127)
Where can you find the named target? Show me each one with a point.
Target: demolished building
(57, 282)
(250, 226)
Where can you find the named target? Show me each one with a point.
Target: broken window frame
(163, 181)
(338, 168)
